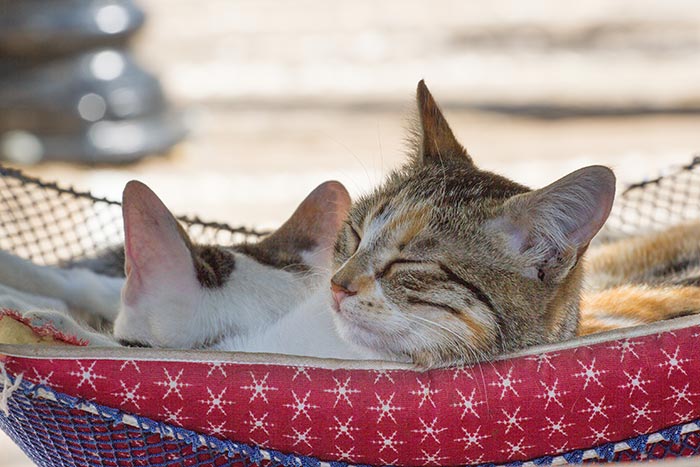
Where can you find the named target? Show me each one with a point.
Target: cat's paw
(65, 324)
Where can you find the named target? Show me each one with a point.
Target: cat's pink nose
(339, 293)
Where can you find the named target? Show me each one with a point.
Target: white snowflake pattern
(635, 382)
(557, 426)
(590, 373)
(218, 430)
(516, 449)
(551, 394)
(343, 428)
(512, 420)
(216, 402)
(132, 363)
(680, 395)
(388, 442)
(87, 375)
(173, 385)
(342, 391)
(471, 438)
(302, 437)
(429, 430)
(431, 459)
(386, 408)
(382, 374)
(563, 447)
(683, 417)
(468, 405)
(426, 394)
(301, 371)
(599, 436)
(344, 454)
(388, 461)
(506, 383)
(129, 395)
(259, 423)
(44, 380)
(474, 460)
(174, 417)
(259, 388)
(463, 370)
(673, 362)
(216, 366)
(301, 406)
(641, 412)
(543, 359)
(596, 408)
(625, 346)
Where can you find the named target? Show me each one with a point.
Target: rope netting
(49, 224)
(670, 198)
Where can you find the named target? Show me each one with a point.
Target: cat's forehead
(433, 196)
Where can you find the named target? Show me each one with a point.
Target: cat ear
(157, 249)
(549, 229)
(438, 143)
(312, 229)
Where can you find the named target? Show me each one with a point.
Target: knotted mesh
(53, 225)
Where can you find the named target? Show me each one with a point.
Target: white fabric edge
(142, 354)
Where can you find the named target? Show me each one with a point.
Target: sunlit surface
(107, 65)
(125, 102)
(21, 147)
(116, 136)
(92, 107)
(112, 19)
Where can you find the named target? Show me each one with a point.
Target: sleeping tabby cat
(442, 264)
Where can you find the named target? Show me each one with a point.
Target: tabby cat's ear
(157, 249)
(312, 229)
(549, 229)
(438, 143)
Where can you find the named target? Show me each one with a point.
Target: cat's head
(182, 295)
(446, 263)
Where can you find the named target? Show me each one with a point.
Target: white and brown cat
(442, 264)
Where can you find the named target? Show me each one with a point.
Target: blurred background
(235, 110)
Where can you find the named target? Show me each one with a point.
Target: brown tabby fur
(432, 278)
(642, 279)
(446, 263)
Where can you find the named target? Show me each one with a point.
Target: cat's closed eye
(355, 236)
(391, 266)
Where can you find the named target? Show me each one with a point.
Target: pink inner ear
(333, 206)
(318, 218)
(156, 254)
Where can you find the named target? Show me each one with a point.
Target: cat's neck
(307, 330)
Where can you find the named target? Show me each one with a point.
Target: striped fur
(446, 264)
(642, 279)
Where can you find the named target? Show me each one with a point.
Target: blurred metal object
(71, 91)
(31, 29)
(65, 95)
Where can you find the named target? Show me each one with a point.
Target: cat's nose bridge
(353, 277)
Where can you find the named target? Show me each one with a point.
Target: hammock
(625, 395)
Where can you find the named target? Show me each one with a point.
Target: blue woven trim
(574, 457)
(606, 451)
(672, 434)
(255, 455)
(546, 460)
(638, 444)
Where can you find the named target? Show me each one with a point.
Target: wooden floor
(280, 97)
